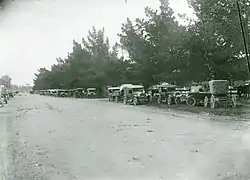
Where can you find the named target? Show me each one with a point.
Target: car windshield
(138, 90)
(155, 91)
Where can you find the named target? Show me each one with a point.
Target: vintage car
(63, 93)
(153, 93)
(167, 93)
(79, 93)
(10, 93)
(113, 93)
(134, 94)
(2, 101)
(181, 95)
(54, 92)
(71, 92)
(119, 95)
(4, 94)
(91, 93)
(213, 93)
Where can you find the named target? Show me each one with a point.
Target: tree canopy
(6, 81)
(159, 49)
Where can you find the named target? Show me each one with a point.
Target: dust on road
(56, 139)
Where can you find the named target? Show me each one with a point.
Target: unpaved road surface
(45, 138)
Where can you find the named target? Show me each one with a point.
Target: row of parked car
(210, 93)
(6, 96)
(77, 93)
(136, 94)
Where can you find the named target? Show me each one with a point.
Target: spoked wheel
(212, 102)
(135, 101)
(234, 101)
(159, 100)
(191, 101)
(177, 100)
(124, 100)
(116, 99)
(169, 100)
(206, 102)
(150, 99)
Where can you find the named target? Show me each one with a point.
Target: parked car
(91, 93)
(113, 93)
(134, 94)
(167, 93)
(79, 93)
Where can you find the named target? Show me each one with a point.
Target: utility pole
(243, 35)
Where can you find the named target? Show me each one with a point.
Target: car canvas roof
(137, 86)
(131, 86)
(112, 88)
(168, 86)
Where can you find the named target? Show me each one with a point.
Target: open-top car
(181, 95)
(134, 94)
(153, 93)
(4, 94)
(167, 93)
(113, 92)
(91, 93)
(63, 93)
(212, 93)
(79, 93)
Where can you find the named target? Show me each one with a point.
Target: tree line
(159, 49)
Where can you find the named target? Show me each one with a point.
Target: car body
(113, 93)
(134, 94)
(80, 93)
(167, 93)
(91, 92)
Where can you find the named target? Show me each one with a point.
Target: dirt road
(45, 138)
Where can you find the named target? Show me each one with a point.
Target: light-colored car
(91, 92)
(134, 94)
(113, 92)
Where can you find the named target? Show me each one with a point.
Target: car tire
(135, 101)
(159, 100)
(125, 100)
(206, 102)
(191, 101)
(177, 100)
(212, 102)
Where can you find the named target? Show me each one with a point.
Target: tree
(90, 64)
(159, 49)
(6, 81)
(155, 45)
(217, 36)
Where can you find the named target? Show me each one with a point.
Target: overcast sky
(33, 33)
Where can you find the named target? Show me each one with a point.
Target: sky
(33, 33)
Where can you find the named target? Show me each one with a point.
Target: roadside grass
(242, 110)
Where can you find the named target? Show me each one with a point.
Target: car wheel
(124, 100)
(212, 102)
(234, 101)
(159, 100)
(177, 100)
(206, 102)
(169, 100)
(135, 101)
(191, 101)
